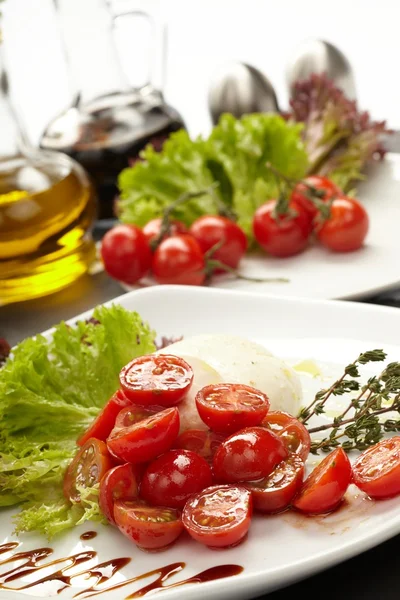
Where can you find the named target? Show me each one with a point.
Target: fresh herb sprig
(360, 424)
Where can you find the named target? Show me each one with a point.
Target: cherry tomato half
(285, 235)
(87, 468)
(133, 414)
(204, 443)
(377, 470)
(152, 229)
(173, 477)
(347, 226)
(228, 407)
(146, 439)
(179, 260)
(156, 379)
(125, 253)
(275, 492)
(210, 230)
(105, 421)
(294, 434)
(149, 527)
(324, 488)
(249, 454)
(325, 188)
(219, 516)
(119, 483)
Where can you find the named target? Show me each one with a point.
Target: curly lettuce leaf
(50, 391)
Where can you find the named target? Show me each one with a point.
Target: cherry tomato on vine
(376, 471)
(179, 260)
(152, 379)
(325, 188)
(119, 483)
(125, 253)
(87, 468)
(105, 421)
(210, 230)
(282, 235)
(152, 229)
(294, 434)
(346, 228)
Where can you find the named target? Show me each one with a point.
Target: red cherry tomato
(326, 485)
(249, 454)
(325, 188)
(228, 407)
(133, 414)
(149, 527)
(219, 516)
(173, 477)
(286, 235)
(87, 468)
(119, 483)
(204, 443)
(211, 230)
(161, 380)
(125, 253)
(146, 439)
(275, 492)
(179, 260)
(294, 434)
(105, 421)
(346, 228)
(152, 229)
(377, 470)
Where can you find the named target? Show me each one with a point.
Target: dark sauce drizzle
(26, 563)
(88, 535)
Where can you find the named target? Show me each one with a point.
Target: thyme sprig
(360, 424)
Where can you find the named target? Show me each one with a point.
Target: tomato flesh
(119, 483)
(228, 407)
(87, 468)
(346, 228)
(249, 454)
(294, 434)
(210, 230)
(133, 414)
(146, 439)
(377, 469)
(105, 421)
(324, 488)
(204, 443)
(274, 493)
(173, 477)
(219, 516)
(150, 528)
(156, 379)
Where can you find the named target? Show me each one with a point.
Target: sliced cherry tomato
(324, 488)
(87, 468)
(275, 492)
(219, 516)
(321, 187)
(210, 230)
(249, 454)
(291, 430)
(146, 439)
(149, 527)
(377, 469)
(119, 483)
(173, 477)
(125, 253)
(105, 421)
(153, 379)
(228, 407)
(347, 226)
(283, 235)
(179, 260)
(152, 229)
(204, 443)
(133, 414)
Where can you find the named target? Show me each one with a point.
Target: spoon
(319, 56)
(239, 88)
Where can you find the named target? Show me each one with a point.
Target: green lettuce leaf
(50, 391)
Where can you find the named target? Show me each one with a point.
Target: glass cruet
(47, 211)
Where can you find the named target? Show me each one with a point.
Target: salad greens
(234, 155)
(50, 391)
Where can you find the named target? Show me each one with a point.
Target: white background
(202, 35)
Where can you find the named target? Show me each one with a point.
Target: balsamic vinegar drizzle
(88, 535)
(26, 563)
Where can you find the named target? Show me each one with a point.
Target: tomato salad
(156, 481)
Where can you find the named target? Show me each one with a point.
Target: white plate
(317, 273)
(280, 549)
